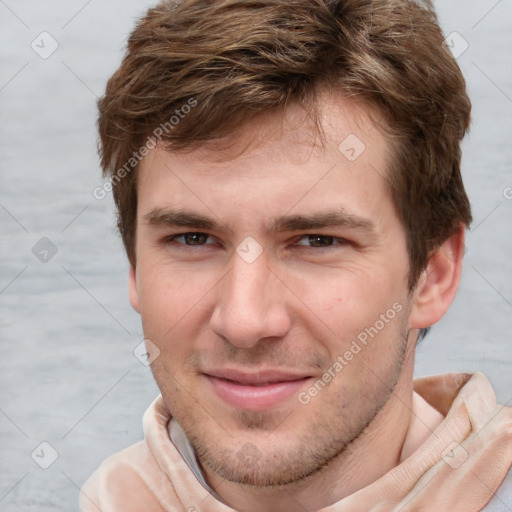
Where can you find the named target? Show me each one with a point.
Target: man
(287, 177)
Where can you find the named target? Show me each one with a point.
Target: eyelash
(339, 241)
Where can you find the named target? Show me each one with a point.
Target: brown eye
(319, 241)
(190, 238)
(195, 238)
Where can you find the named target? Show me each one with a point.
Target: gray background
(68, 375)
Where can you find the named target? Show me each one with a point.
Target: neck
(399, 428)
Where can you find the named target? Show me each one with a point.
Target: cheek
(345, 303)
(165, 299)
(370, 357)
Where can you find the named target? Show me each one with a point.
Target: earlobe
(439, 282)
(132, 289)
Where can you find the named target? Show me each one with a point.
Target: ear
(132, 289)
(438, 283)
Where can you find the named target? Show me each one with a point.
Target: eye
(319, 241)
(192, 238)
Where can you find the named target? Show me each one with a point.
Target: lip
(255, 391)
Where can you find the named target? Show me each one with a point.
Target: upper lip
(248, 378)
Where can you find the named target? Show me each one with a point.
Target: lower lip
(255, 398)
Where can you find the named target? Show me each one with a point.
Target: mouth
(255, 391)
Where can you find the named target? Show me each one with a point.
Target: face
(272, 277)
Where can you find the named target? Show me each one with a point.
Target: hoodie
(463, 466)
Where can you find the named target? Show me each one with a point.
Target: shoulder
(502, 499)
(123, 481)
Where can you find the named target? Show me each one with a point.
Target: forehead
(323, 126)
(278, 161)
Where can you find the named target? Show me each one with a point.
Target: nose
(250, 304)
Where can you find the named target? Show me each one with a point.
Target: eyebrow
(320, 220)
(186, 219)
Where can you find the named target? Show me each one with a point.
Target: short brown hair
(233, 59)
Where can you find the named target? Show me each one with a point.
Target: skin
(297, 307)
